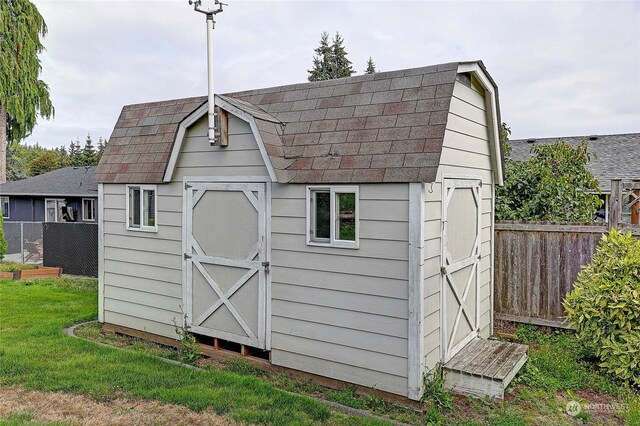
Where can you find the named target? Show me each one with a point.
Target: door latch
(266, 266)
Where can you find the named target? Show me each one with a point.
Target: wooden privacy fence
(536, 265)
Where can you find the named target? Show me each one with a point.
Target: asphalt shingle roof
(68, 181)
(383, 127)
(616, 156)
(140, 145)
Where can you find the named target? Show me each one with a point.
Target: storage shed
(343, 227)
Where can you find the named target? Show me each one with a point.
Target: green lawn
(37, 355)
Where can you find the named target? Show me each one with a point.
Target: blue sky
(563, 68)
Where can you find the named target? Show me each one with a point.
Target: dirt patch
(84, 410)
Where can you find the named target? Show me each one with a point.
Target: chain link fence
(24, 242)
(72, 247)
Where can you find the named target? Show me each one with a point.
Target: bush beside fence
(536, 265)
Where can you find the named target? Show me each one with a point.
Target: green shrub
(604, 306)
(3, 241)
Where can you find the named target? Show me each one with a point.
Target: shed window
(88, 209)
(141, 208)
(332, 216)
(4, 204)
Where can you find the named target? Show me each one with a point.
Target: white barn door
(461, 244)
(226, 261)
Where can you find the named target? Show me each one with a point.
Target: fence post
(635, 204)
(22, 241)
(615, 204)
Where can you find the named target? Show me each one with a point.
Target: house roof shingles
(615, 155)
(67, 181)
(382, 127)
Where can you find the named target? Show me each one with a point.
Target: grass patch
(12, 267)
(39, 356)
(557, 362)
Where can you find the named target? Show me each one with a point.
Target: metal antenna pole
(211, 24)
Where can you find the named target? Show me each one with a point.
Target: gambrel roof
(382, 127)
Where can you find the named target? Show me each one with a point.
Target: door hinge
(187, 256)
(443, 270)
(187, 185)
(267, 266)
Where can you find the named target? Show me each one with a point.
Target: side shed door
(461, 244)
(225, 261)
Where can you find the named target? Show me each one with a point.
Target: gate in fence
(72, 247)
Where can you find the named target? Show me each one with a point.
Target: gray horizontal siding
(143, 270)
(465, 152)
(344, 307)
(241, 158)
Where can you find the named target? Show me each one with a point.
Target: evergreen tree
(102, 144)
(89, 155)
(322, 60)
(75, 154)
(23, 96)
(341, 66)
(330, 61)
(371, 67)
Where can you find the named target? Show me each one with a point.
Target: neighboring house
(64, 195)
(342, 227)
(615, 157)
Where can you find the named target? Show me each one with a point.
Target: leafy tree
(23, 96)
(371, 67)
(330, 61)
(48, 161)
(553, 185)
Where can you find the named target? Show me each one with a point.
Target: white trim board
(100, 213)
(492, 109)
(415, 357)
(201, 112)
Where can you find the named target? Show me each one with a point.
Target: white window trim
(142, 227)
(333, 190)
(84, 216)
(8, 207)
(46, 201)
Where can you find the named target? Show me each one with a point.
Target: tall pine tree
(330, 61)
(23, 96)
(89, 155)
(75, 153)
(342, 66)
(322, 60)
(371, 67)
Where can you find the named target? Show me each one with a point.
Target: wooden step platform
(484, 368)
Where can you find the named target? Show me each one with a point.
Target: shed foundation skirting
(223, 354)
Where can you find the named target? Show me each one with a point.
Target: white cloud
(563, 68)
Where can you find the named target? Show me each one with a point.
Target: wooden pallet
(484, 367)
